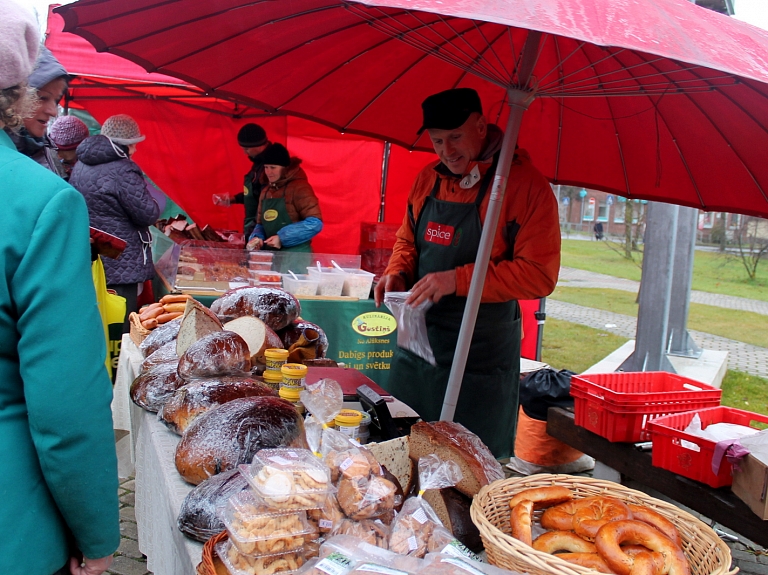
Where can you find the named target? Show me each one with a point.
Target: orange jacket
(525, 258)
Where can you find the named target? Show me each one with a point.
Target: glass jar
(365, 434)
(294, 374)
(273, 379)
(293, 394)
(275, 358)
(348, 422)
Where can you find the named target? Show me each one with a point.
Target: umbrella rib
(114, 17)
(481, 54)
(559, 65)
(592, 65)
(562, 108)
(426, 45)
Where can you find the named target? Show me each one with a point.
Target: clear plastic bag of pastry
(415, 526)
(364, 552)
(411, 324)
(443, 564)
(240, 564)
(323, 400)
(328, 517)
(255, 529)
(289, 479)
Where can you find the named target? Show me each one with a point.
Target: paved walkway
(571, 277)
(128, 559)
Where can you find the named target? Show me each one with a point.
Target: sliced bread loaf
(197, 322)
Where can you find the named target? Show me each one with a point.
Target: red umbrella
(657, 100)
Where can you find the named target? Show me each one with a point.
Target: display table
(126, 415)
(720, 505)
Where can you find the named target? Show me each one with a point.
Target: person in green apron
(253, 139)
(434, 256)
(288, 215)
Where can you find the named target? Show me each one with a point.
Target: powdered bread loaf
(154, 387)
(159, 337)
(232, 433)
(451, 441)
(275, 307)
(164, 354)
(197, 397)
(199, 517)
(216, 354)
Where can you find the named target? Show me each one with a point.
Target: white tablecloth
(126, 415)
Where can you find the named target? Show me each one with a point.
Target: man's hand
(432, 287)
(275, 242)
(90, 566)
(390, 282)
(254, 244)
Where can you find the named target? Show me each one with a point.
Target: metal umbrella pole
(519, 100)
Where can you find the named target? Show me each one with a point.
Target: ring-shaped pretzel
(554, 541)
(589, 518)
(658, 521)
(560, 517)
(611, 536)
(591, 560)
(543, 496)
(520, 521)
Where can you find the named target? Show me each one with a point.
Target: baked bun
(159, 336)
(232, 433)
(154, 387)
(199, 514)
(275, 307)
(216, 354)
(197, 397)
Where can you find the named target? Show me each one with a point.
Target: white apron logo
(438, 234)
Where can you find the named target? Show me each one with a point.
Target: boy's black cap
(449, 109)
(251, 136)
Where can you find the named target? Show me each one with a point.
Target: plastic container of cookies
(289, 479)
(255, 529)
(261, 256)
(240, 564)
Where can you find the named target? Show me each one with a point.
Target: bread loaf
(451, 441)
(197, 397)
(154, 387)
(232, 433)
(275, 307)
(394, 455)
(164, 354)
(159, 336)
(216, 354)
(452, 507)
(198, 516)
(258, 335)
(197, 322)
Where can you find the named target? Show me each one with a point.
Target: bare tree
(752, 243)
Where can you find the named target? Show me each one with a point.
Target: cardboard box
(750, 484)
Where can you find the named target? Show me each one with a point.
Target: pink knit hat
(67, 132)
(19, 43)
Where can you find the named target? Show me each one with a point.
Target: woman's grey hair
(17, 103)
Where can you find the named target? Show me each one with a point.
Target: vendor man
(252, 138)
(434, 257)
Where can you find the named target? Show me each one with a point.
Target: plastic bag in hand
(411, 324)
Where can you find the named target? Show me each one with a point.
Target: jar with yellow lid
(294, 374)
(275, 358)
(292, 394)
(273, 379)
(348, 422)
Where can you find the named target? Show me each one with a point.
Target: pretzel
(589, 518)
(543, 496)
(554, 541)
(658, 521)
(611, 535)
(591, 560)
(520, 521)
(560, 517)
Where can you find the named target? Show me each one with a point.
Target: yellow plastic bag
(111, 309)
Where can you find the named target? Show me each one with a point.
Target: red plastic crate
(618, 406)
(669, 453)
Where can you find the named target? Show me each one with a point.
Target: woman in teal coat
(58, 477)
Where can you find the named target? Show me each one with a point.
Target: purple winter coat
(118, 203)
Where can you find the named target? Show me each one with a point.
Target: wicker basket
(706, 552)
(211, 564)
(138, 332)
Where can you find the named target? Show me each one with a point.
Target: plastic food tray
(618, 406)
(669, 452)
(357, 283)
(303, 284)
(225, 550)
(330, 281)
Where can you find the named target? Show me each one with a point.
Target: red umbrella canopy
(657, 100)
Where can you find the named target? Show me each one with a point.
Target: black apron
(447, 235)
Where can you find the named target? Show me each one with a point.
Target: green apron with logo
(274, 217)
(447, 236)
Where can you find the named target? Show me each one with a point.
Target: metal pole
(384, 172)
(519, 101)
(680, 341)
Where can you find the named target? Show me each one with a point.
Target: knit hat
(122, 129)
(252, 136)
(275, 155)
(47, 69)
(67, 132)
(19, 43)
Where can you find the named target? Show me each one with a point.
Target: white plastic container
(302, 285)
(357, 283)
(330, 280)
(240, 564)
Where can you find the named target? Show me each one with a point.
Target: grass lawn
(712, 271)
(576, 347)
(741, 326)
